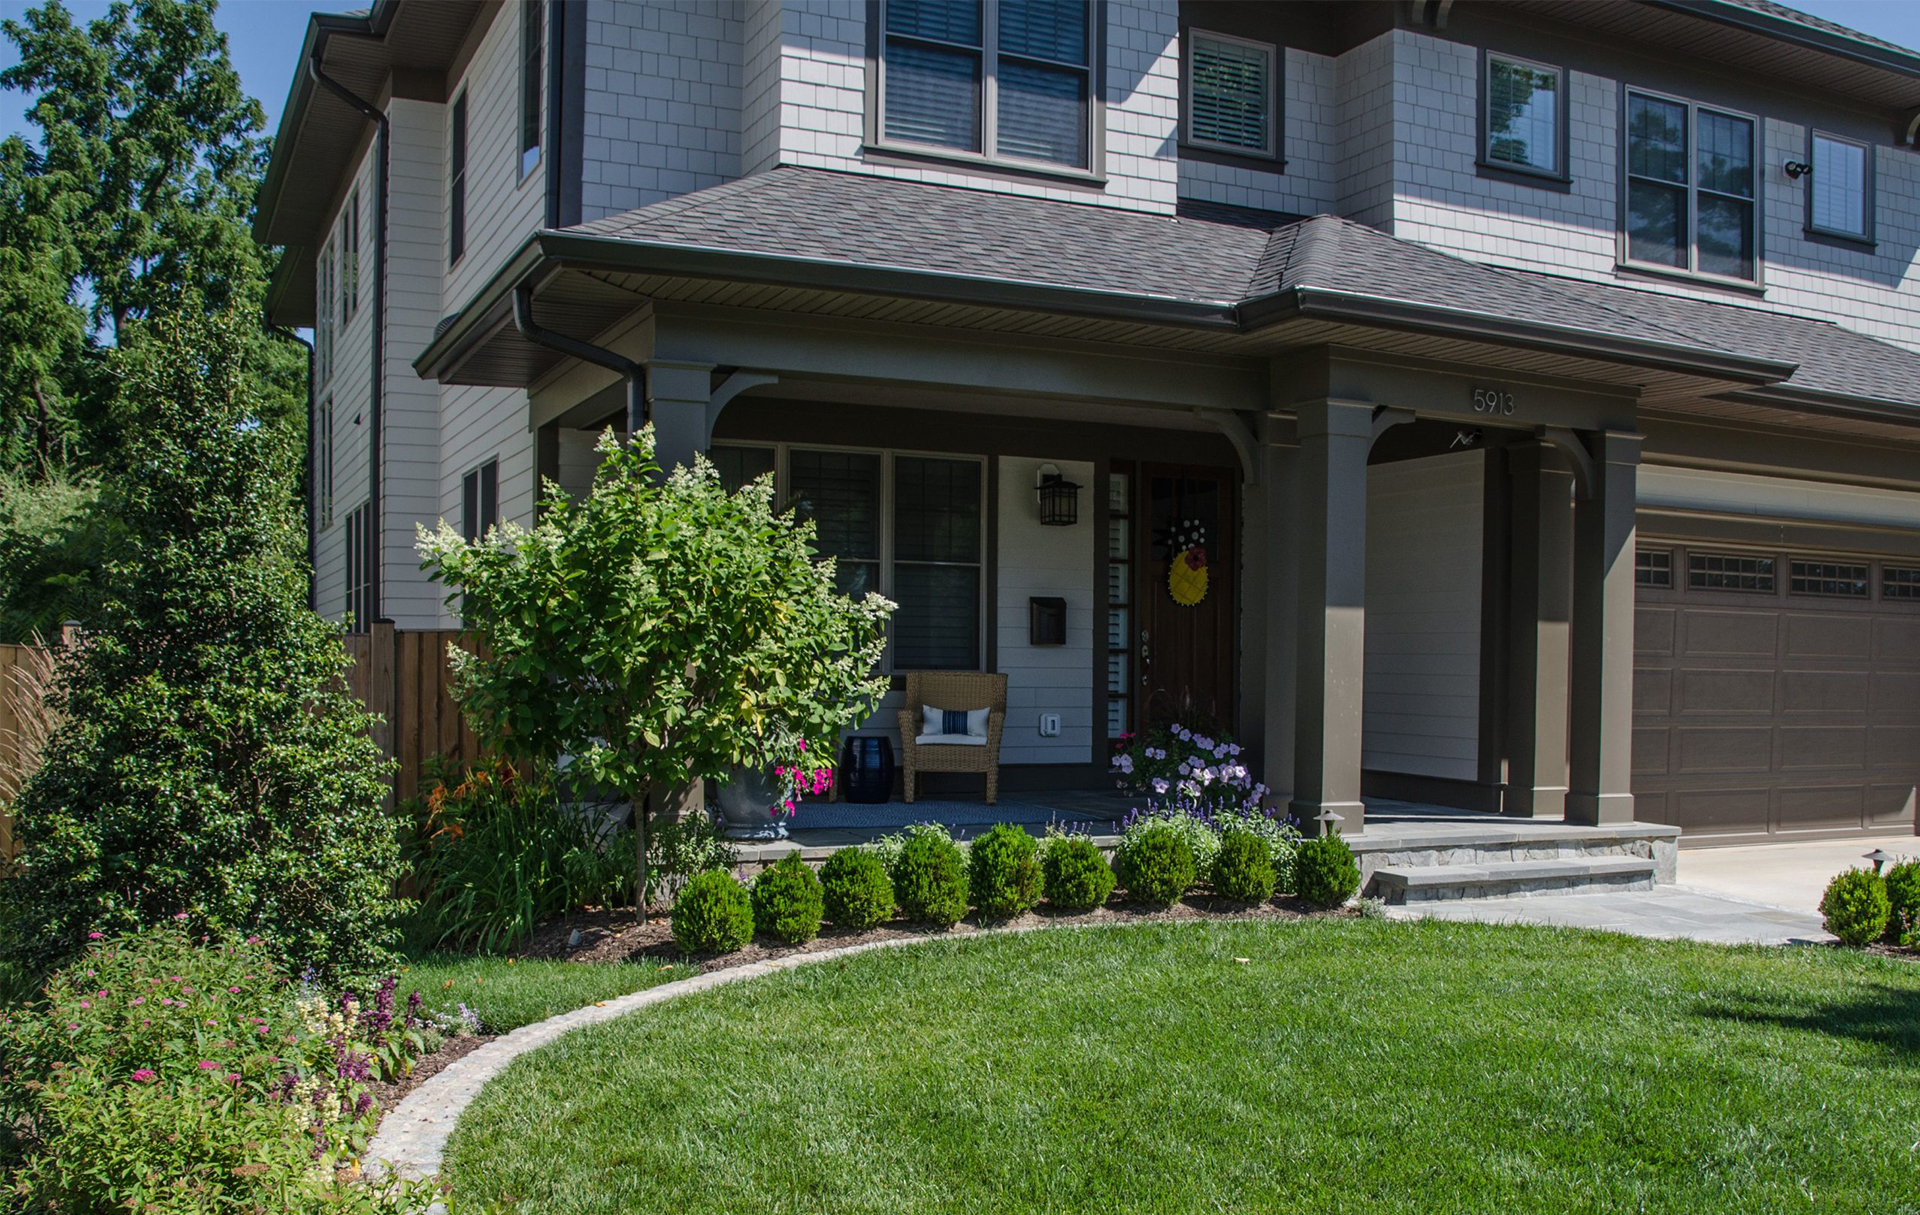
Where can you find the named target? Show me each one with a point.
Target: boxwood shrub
(1855, 907)
(713, 914)
(1003, 869)
(1154, 863)
(1903, 904)
(855, 890)
(1074, 875)
(930, 880)
(787, 902)
(1244, 868)
(1325, 873)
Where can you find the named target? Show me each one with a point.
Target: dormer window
(1690, 189)
(1840, 188)
(1004, 81)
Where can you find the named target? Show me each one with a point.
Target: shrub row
(930, 880)
(1861, 907)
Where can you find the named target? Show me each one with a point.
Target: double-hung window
(480, 501)
(323, 316)
(360, 558)
(999, 80)
(1233, 102)
(350, 258)
(1691, 188)
(1840, 187)
(1523, 107)
(910, 527)
(531, 23)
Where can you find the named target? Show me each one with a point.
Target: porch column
(1539, 606)
(1331, 525)
(1268, 611)
(1600, 699)
(677, 396)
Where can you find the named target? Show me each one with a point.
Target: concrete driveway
(1792, 874)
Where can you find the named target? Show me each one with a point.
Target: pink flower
(233, 1077)
(179, 915)
(138, 1000)
(73, 1029)
(208, 1065)
(234, 990)
(145, 1075)
(253, 941)
(96, 936)
(802, 742)
(86, 1004)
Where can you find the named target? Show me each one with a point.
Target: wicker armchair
(953, 690)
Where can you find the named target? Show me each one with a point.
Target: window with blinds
(910, 527)
(1839, 190)
(998, 79)
(1523, 115)
(1231, 94)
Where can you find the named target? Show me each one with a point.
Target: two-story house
(1535, 382)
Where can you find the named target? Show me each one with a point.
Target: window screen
(936, 567)
(1230, 93)
(1523, 114)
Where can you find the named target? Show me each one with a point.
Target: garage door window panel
(1832, 578)
(1728, 572)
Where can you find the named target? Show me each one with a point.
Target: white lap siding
(1424, 533)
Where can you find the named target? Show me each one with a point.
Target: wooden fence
(402, 675)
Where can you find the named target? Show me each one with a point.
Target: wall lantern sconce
(1059, 498)
(1796, 169)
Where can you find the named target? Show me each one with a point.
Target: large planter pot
(747, 798)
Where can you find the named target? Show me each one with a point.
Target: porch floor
(1392, 826)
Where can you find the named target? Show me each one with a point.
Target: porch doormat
(896, 815)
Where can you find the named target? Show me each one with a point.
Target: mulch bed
(387, 1094)
(611, 935)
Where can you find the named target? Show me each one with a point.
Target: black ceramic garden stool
(866, 769)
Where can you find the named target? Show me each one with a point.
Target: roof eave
(1353, 307)
(1830, 404)
(554, 249)
(1784, 30)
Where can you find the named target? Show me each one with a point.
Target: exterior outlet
(1049, 725)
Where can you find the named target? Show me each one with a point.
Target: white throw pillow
(934, 723)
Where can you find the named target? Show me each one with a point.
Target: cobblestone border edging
(412, 1138)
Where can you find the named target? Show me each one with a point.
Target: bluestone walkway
(1674, 912)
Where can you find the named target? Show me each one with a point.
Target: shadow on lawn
(1880, 1015)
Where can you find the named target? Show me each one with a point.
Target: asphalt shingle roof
(1224, 256)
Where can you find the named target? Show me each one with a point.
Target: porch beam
(1539, 612)
(1600, 687)
(1331, 527)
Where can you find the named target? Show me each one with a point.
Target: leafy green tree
(210, 763)
(659, 631)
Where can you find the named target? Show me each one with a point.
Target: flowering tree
(659, 631)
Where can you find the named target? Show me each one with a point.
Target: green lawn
(1342, 1066)
(508, 994)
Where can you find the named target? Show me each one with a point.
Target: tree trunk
(641, 840)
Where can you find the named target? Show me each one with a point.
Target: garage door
(1775, 693)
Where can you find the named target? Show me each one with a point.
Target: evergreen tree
(210, 762)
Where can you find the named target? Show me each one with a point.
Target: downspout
(313, 526)
(586, 352)
(376, 585)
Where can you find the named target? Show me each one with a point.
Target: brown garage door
(1775, 693)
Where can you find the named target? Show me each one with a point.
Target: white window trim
(1692, 270)
(1094, 132)
(783, 491)
(1559, 171)
(1272, 149)
(1868, 170)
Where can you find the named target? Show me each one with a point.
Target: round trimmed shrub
(1074, 876)
(713, 914)
(930, 880)
(1156, 866)
(1004, 872)
(855, 889)
(1244, 868)
(787, 901)
(1855, 907)
(1324, 871)
(1903, 904)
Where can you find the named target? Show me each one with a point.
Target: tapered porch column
(1600, 700)
(1539, 611)
(677, 399)
(1331, 629)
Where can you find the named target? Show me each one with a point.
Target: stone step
(1514, 879)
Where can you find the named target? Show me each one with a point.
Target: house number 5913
(1492, 400)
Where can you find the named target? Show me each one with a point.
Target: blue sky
(264, 38)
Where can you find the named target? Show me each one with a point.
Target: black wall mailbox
(1047, 621)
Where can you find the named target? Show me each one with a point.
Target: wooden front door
(1188, 566)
